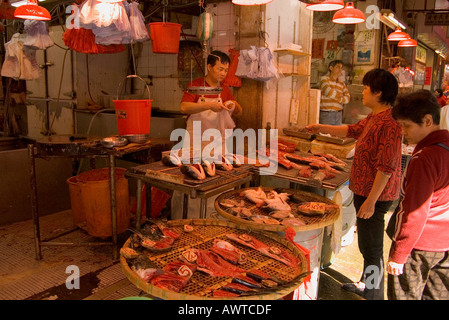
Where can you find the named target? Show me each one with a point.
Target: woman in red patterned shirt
(375, 175)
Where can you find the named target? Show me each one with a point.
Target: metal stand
(38, 243)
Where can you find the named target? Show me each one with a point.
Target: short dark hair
(380, 80)
(333, 63)
(213, 57)
(440, 92)
(414, 106)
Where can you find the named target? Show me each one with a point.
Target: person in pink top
(418, 263)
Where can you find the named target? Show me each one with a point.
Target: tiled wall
(165, 90)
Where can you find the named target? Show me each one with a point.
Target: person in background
(441, 98)
(418, 263)
(334, 94)
(375, 175)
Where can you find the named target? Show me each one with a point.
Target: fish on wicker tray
(153, 242)
(175, 276)
(144, 267)
(257, 196)
(229, 252)
(212, 264)
(276, 253)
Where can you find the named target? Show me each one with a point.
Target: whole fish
(194, 171)
(233, 159)
(224, 164)
(209, 167)
(257, 196)
(171, 160)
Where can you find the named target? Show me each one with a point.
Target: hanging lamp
(250, 2)
(398, 35)
(326, 5)
(32, 11)
(407, 43)
(348, 15)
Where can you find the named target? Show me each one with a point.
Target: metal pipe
(47, 103)
(113, 204)
(34, 207)
(138, 204)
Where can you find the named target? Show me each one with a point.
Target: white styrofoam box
(348, 224)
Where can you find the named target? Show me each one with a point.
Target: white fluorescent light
(387, 17)
(395, 21)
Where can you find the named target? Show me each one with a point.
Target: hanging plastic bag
(37, 35)
(20, 62)
(139, 31)
(267, 70)
(231, 79)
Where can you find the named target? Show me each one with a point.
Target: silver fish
(224, 165)
(209, 167)
(194, 171)
(233, 159)
(171, 160)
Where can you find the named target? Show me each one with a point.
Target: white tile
(224, 8)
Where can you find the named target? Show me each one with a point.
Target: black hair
(440, 92)
(380, 80)
(333, 63)
(215, 55)
(414, 106)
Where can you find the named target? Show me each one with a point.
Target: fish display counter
(211, 259)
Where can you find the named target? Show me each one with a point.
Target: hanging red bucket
(165, 37)
(133, 116)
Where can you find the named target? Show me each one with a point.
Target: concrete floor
(22, 277)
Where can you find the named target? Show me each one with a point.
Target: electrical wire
(59, 90)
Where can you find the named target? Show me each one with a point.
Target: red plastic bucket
(165, 37)
(133, 116)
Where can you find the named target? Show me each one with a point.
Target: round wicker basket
(312, 222)
(201, 285)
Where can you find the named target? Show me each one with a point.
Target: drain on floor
(88, 283)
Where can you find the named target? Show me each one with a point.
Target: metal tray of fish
(201, 235)
(334, 139)
(249, 213)
(299, 133)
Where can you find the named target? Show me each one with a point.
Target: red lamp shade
(250, 2)
(398, 35)
(326, 5)
(407, 43)
(32, 11)
(348, 15)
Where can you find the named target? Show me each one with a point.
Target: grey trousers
(425, 277)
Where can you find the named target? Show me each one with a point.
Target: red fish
(211, 263)
(278, 254)
(228, 252)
